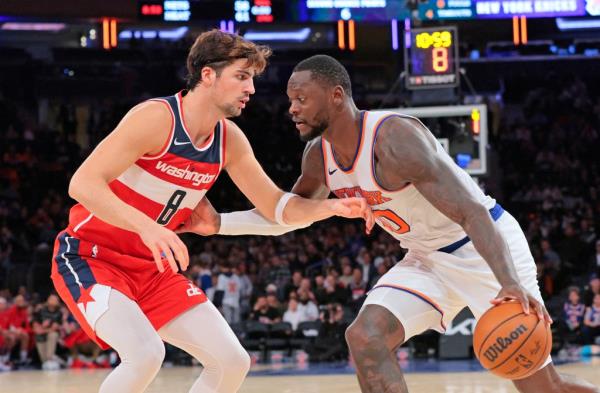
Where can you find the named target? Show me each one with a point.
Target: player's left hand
(204, 220)
(520, 294)
(353, 208)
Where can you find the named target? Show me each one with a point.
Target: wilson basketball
(510, 343)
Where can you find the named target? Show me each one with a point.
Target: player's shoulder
(154, 109)
(314, 146)
(234, 135)
(232, 127)
(312, 157)
(313, 150)
(396, 130)
(152, 114)
(396, 122)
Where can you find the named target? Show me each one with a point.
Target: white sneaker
(50, 365)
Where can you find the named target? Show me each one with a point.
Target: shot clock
(431, 58)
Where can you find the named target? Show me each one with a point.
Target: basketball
(510, 343)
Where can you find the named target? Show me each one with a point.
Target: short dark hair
(218, 49)
(326, 69)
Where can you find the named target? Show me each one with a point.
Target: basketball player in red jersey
(463, 248)
(116, 265)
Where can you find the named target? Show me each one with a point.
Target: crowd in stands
(546, 175)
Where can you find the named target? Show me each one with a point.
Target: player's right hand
(529, 303)
(165, 245)
(353, 208)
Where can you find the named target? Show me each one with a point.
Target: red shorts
(83, 274)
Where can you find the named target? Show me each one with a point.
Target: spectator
(591, 328)
(46, 326)
(550, 257)
(202, 276)
(331, 345)
(19, 327)
(274, 303)
(230, 285)
(358, 287)
(346, 277)
(294, 285)
(333, 291)
(573, 312)
(307, 305)
(4, 336)
(246, 288)
(264, 313)
(365, 262)
(293, 314)
(319, 290)
(210, 292)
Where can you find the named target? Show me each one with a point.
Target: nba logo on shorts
(193, 290)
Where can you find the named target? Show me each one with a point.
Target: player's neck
(344, 133)
(200, 115)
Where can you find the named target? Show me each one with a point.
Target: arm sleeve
(251, 222)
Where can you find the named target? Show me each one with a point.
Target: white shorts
(426, 291)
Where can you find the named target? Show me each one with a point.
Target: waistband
(495, 213)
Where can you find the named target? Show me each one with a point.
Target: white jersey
(403, 213)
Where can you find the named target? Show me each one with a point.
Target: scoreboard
(271, 11)
(431, 58)
(305, 11)
(241, 11)
(505, 9)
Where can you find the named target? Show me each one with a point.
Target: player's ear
(338, 95)
(208, 76)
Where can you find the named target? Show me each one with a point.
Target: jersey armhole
(167, 144)
(373, 174)
(223, 144)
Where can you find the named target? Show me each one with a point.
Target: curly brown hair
(217, 49)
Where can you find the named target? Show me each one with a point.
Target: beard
(315, 131)
(230, 110)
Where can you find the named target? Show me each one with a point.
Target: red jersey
(18, 317)
(166, 187)
(4, 319)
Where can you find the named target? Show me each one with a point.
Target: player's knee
(363, 333)
(237, 361)
(151, 355)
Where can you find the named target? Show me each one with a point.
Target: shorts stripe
(74, 270)
(420, 296)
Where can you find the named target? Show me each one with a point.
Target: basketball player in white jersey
(116, 264)
(463, 248)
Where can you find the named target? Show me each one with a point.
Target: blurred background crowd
(302, 289)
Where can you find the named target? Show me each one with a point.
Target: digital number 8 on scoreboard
(431, 58)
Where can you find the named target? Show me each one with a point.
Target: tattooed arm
(406, 152)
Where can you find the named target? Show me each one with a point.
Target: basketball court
(281, 379)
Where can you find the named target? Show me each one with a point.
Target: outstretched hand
(529, 303)
(354, 208)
